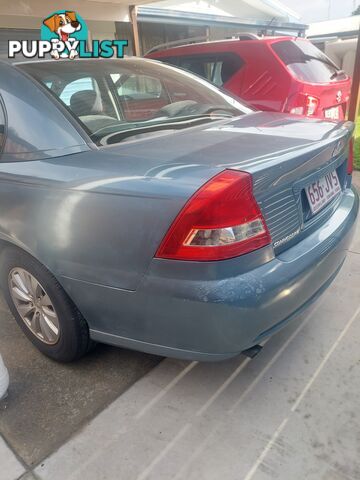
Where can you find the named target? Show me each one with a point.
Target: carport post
(354, 96)
(135, 29)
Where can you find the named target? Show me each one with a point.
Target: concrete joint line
(307, 387)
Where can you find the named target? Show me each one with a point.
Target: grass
(357, 145)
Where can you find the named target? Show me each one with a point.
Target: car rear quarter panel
(93, 216)
(106, 238)
(263, 81)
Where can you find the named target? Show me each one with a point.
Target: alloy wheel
(34, 306)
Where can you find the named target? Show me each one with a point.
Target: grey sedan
(143, 207)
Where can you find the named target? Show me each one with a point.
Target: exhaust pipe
(252, 351)
(4, 379)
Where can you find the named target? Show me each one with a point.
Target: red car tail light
(305, 105)
(297, 110)
(350, 165)
(221, 220)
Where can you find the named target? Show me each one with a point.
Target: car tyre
(68, 338)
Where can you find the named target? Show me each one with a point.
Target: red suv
(283, 74)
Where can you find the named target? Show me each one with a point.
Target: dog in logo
(64, 25)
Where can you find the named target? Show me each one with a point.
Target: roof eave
(160, 15)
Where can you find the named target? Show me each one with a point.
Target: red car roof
(225, 43)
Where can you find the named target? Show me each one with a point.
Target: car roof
(27, 61)
(21, 59)
(222, 42)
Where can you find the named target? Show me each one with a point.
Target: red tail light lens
(305, 105)
(221, 220)
(350, 165)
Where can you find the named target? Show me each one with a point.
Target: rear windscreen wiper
(323, 60)
(336, 74)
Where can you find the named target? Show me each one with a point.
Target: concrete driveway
(47, 401)
(291, 413)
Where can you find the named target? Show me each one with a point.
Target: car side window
(76, 86)
(138, 86)
(87, 97)
(218, 69)
(2, 126)
(140, 96)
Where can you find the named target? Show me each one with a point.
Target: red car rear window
(307, 62)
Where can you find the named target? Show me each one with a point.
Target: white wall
(247, 9)
(334, 27)
(100, 18)
(342, 52)
(101, 30)
(40, 9)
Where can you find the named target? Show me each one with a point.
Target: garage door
(7, 34)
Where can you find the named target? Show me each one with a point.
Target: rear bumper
(214, 319)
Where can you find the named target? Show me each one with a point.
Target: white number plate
(321, 192)
(332, 113)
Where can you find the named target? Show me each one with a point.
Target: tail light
(305, 105)
(350, 165)
(221, 220)
(297, 110)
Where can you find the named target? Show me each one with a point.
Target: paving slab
(199, 421)
(48, 402)
(325, 427)
(10, 467)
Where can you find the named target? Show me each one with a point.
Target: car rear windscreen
(307, 62)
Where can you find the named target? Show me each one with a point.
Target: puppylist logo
(64, 34)
(64, 30)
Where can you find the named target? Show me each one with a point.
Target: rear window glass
(306, 62)
(112, 98)
(218, 69)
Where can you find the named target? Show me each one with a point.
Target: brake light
(312, 104)
(350, 165)
(297, 110)
(221, 220)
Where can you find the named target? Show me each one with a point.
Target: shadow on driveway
(48, 401)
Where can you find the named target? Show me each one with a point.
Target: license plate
(321, 192)
(332, 113)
